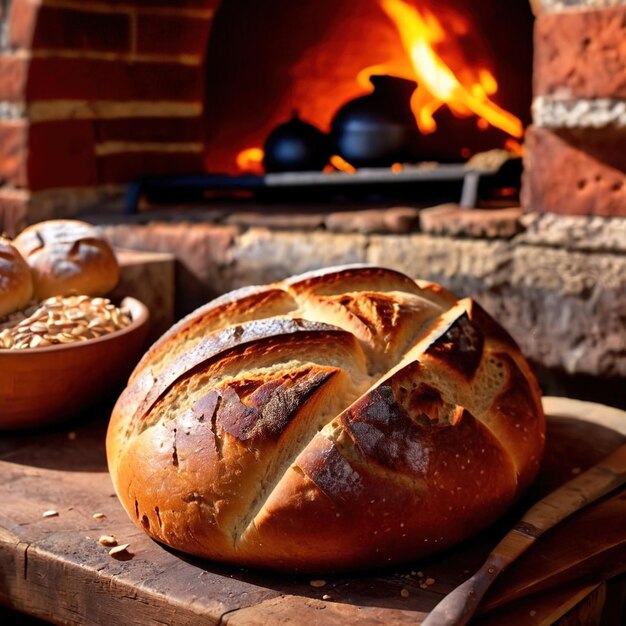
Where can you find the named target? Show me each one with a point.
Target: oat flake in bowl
(60, 320)
(54, 382)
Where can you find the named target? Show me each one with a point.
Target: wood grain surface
(54, 567)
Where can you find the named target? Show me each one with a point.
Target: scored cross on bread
(341, 419)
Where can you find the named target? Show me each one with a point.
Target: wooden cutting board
(55, 568)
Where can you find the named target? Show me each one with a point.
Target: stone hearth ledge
(565, 307)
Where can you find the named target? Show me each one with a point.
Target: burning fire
(430, 52)
(465, 94)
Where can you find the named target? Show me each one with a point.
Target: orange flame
(437, 83)
(341, 164)
(432, 50)
(251, 160)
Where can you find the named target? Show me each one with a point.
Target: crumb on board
(107, 540)
(50, 513)
(98, 515)
(326, 596)
(119, 550)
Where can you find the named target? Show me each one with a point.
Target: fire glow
(420, 32)
(429, 52)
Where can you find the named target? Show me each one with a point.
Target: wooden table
(54, 567)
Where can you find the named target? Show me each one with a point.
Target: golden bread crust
(343, 419)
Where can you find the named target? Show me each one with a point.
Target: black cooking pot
(296, 146)
(378, 129)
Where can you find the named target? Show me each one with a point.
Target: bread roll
(16, 281)
(344, 419)
(66, 257)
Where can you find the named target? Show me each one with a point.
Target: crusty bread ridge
(16, 282)
(347, 418)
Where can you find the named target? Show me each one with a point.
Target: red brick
(69, 29)
(13, 77)
(52, 78)
(61, 154)
(13, 151)
(170, 34)
(158, 4)
(13, 212)
(172, 129)
(574, 175)
(581, 54)
(22, 22)
(127, 166)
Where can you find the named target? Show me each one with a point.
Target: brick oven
(97, 93)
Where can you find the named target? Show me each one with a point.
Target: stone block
(394, 220)
(581, 178)
(573, 232)
(149, 277)
(465, 266)
(202, 253)
(581, 54)
(275, 221)
(260, 256)
(453, 220)
(567, 310)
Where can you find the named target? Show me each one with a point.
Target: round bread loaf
(16, 281)
(343, 419)
(68, 257)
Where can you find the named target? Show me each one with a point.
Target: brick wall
(94, 93)
(575, 160)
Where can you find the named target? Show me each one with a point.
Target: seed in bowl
(61, 320)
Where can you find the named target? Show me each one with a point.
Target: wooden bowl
(40, 386)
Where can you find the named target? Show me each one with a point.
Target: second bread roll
(68, 256)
